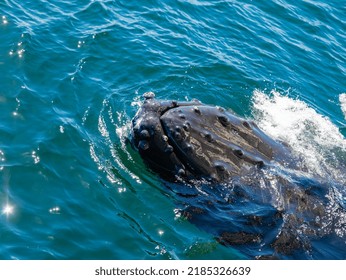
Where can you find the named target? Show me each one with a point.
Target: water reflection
(7, 210)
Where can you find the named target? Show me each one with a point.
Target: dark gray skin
(194, 140)
(183, 141)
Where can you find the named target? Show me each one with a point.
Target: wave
(313, 137)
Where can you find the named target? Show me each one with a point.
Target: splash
(342, 99)
(317, 141)
(313, 137)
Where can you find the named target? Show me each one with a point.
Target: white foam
(312, 136)
(342, 99)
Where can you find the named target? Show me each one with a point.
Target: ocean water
(72, 76)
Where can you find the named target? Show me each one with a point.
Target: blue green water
(72, 76)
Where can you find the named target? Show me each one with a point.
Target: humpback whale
(193, 140)
(236, 182)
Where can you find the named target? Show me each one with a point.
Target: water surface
(73, 73)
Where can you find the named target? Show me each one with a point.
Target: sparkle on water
(8, 209)
(72, 77)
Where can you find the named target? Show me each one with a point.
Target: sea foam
(312, 136)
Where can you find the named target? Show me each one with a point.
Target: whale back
(213, 142)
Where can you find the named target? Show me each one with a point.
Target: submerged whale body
(194, 140)
(232, 180)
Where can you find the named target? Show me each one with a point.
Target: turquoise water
(72, 77)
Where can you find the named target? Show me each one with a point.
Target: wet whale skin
(194, 140)
(233, 181)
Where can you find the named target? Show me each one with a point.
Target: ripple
(72, 76)
(117, 171)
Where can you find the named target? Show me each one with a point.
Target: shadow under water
(268, 214)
